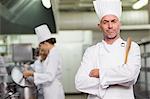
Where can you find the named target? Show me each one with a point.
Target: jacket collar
(119, 40)
(110, 47)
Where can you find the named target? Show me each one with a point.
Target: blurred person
(103, 73)
(47, 68)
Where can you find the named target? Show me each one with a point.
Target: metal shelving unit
(142, 88)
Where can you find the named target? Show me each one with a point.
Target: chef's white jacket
(116, 78)
(48, 73)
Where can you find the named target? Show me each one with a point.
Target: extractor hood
(22, 16)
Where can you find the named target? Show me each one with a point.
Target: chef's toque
(43, 33)
(107, 7)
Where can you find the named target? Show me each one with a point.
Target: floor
(76, 96)
(84, 96)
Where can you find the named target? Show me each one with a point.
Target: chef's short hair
(50, 41)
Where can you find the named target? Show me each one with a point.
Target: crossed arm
(89, 79)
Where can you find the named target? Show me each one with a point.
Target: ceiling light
(46, 3)
(139, 4)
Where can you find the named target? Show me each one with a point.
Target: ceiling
(21, 16)
(87, 5)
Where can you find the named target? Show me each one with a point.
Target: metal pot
(27, 87)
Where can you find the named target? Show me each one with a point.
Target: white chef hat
(43, 33)
(107, 7)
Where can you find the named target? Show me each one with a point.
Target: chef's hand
(27, 73)
(94, 73)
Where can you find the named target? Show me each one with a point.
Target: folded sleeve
(124, 74)
(50, 70)
(83, 82)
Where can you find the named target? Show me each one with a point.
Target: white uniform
(49, 75)
(116, 78)
(37, 67)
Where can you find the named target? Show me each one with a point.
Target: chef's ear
(99, 26)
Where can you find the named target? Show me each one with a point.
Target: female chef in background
(49, 74)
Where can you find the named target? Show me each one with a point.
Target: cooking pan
(18, 78)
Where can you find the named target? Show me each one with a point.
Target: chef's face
(43, 51)
(110, 26)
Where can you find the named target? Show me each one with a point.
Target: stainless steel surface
(8, 91)
(27, 92)
(3, 74)
(22, 52)
(87, 5)
(22, 16)
(26, 89)
(142, 89)
(3, 87)
(17, 76)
